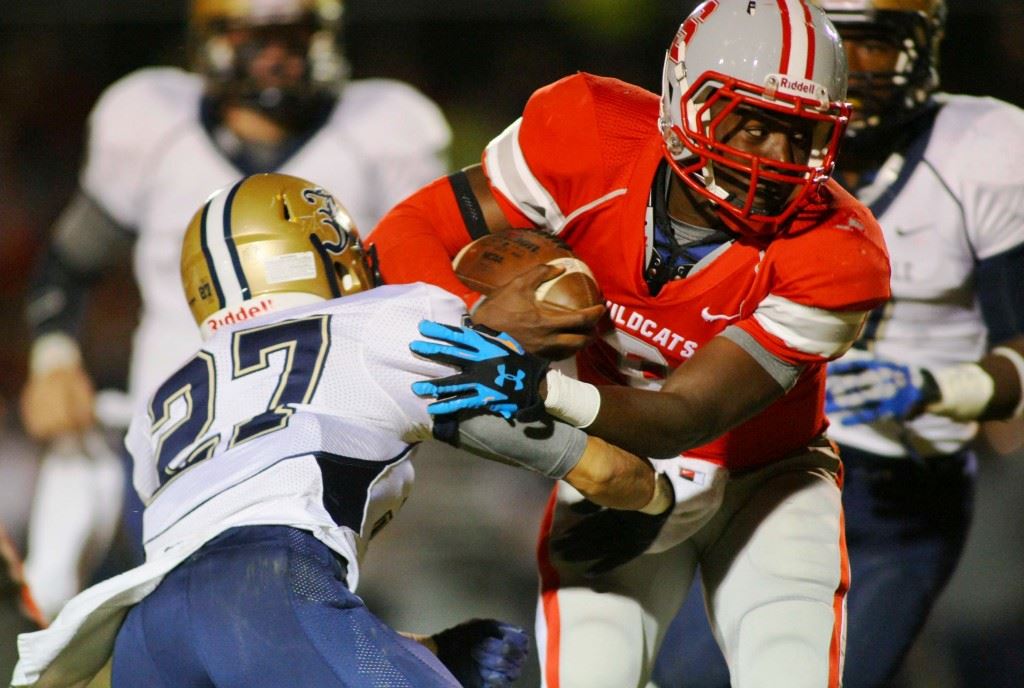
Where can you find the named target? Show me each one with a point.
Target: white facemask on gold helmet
(265, 243)
(226, 38)
(886, 101)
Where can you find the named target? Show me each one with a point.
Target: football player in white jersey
(270, 458)
(943, 175)
(267, 91)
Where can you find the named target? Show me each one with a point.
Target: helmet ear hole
(345, 280)
(352, 281)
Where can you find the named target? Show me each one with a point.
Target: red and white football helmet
(781, 56)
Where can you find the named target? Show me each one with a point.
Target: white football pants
(775, 571)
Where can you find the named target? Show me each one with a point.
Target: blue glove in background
(865, 390)
(497, 375)
(483, 653)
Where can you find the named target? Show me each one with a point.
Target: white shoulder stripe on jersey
(807, 329)
(593, 204)
(509, 173)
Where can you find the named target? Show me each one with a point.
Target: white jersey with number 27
(302, 418)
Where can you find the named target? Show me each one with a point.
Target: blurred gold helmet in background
(226, 37)
(888, 100)
(265, 243)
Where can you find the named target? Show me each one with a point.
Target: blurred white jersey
(151, 163)
(957, 199)
(303, 418)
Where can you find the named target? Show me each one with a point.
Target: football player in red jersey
(734, 270)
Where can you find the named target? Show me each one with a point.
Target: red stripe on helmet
(689, 27)
(787, 38)
(809, 23)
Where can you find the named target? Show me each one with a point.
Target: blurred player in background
(734, 269)
(267, 91)
(272, 456)
(944, 176)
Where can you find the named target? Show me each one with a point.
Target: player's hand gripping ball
(494, 260)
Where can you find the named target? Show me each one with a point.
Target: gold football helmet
(268, 242)
(227, 36)
(887, 100)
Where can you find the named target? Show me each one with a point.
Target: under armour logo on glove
(503, 377)
(497, 375)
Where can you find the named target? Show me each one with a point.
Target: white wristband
(53, 351)
(1018, 362)
(572, 401)
(965, 391)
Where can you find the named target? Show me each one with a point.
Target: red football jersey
(581, 161)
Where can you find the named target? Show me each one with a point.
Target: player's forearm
(719, 388)
(426, 641)
(1000, 293)
(85, 242)
(656, 424)
(1005, 365)
(544, 446)
(612, 477)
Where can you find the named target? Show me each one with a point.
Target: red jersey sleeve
(820, 283)
(554, 162)
(417, 240)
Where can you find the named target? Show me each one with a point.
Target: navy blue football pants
(264, 607)
(906, 524)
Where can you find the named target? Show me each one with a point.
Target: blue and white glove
(483, 653)
(866, 389)
(497, 375)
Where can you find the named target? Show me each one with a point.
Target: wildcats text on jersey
(663, 337)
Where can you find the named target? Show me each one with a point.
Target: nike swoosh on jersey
(907, 231)
(712, 317)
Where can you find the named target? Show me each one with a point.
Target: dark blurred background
(480, 60)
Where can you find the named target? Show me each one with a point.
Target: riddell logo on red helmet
(805, 88)
(241, 314)
(798, 86)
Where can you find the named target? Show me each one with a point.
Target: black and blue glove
(865, 389)
(497, 375)
(483, 653)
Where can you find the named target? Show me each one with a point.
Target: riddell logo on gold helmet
(241, 314)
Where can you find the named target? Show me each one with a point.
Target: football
(496, 259)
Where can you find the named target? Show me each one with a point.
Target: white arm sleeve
(548, 447)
